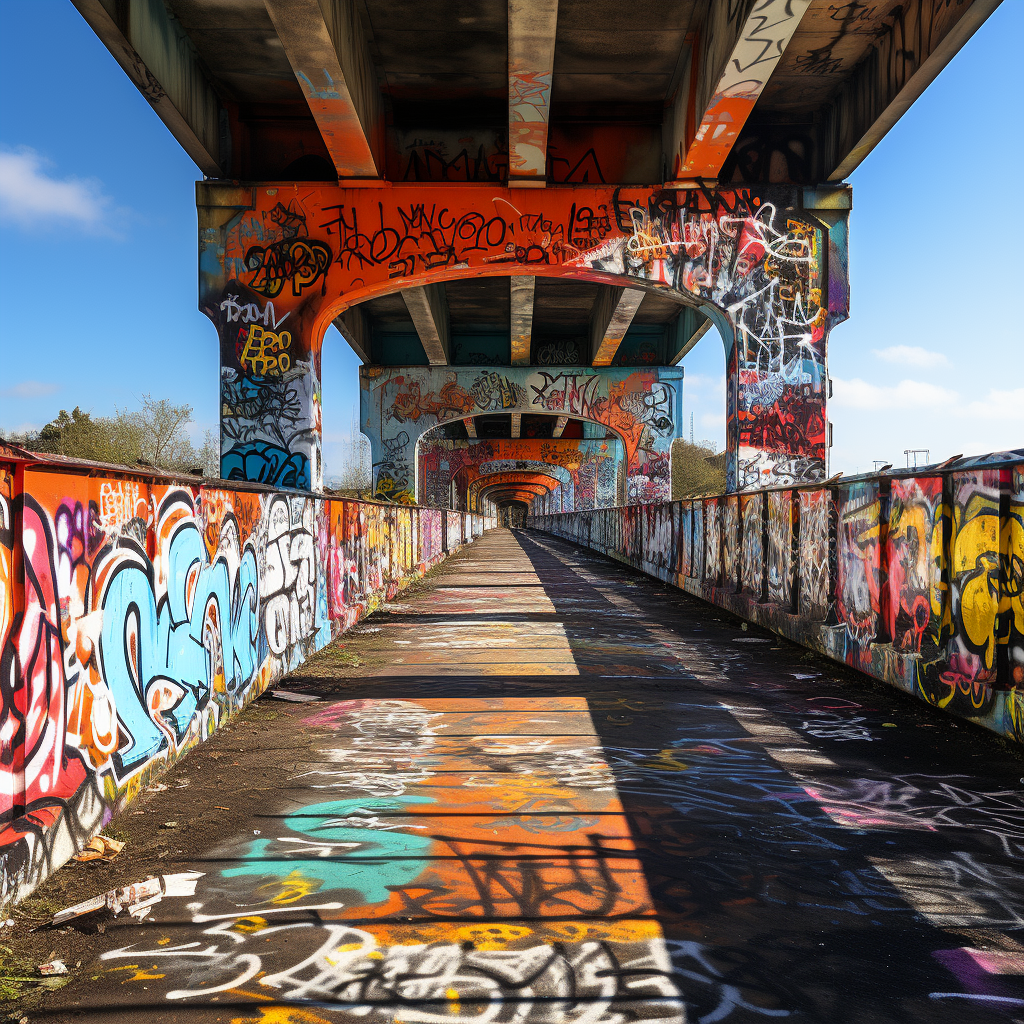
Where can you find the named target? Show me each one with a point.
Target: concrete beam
(559, 426)
(721, 77)
(327, 51)
(531, 59)
(690, 327)
(521, 321)
(471, 427)
(354, 327)
(517, 424)
(428, 308)
(903, 62)
(613, 312)
(182, 97)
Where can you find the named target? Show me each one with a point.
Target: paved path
(545, 788)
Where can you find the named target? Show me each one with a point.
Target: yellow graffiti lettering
(266, 353)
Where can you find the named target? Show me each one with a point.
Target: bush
(696, 469)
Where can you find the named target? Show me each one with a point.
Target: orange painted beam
(762, 41)
(609, 330)
(318, 70)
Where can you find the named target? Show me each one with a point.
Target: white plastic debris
(136, 898)
(298, 698)
(53, 967)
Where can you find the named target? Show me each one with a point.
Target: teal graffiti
(377, 861)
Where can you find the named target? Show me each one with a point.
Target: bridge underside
(527, 208)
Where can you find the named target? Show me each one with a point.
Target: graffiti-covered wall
(587, 470)
(279, 262)
(642, 407)
(138, 613)
(917, 580)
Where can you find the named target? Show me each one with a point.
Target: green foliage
(153, 435)
(696, 469)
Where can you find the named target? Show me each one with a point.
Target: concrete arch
(525, 492)
(642, 407)
(564, 487)
(594, 465)
(276, 264)
(482, 485)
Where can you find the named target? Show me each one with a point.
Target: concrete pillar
(270, 427)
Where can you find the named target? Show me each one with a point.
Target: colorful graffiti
(136, 616)
(915, 580)
(400, 405)
(587, 470)
(756, 255)
(419, 904)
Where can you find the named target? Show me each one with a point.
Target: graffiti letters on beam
(400, 405)
(755, 255)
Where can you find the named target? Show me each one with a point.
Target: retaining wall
(139, 611)
(916, 579)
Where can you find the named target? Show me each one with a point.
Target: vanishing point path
(542, 787)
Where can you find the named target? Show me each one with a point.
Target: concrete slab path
(543, 788)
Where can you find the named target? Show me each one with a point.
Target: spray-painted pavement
(556, 791)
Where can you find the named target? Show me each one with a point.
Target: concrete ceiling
(429, 83)
(479, 321)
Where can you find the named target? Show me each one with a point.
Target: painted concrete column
(261, 279)
(270, 425)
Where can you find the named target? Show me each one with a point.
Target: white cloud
(911, 355)
(908, 394)
(998, 405)
(30, 196)
(702, 382)
(31, 389)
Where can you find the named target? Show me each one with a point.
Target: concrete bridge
(522, 216)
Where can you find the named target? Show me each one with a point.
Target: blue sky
(98, 258)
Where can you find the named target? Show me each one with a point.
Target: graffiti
(815, 521)
(265, 353)
(529, 95)
(563, 352)
(915, 539)
(638, 406)
(249, 313)
(572, 393)
(778, 563)
(858, 567)
(301, 262)
(339, 963)
(916, 581)
(289, 585)
(587, 469)
(752, 254)
(730, 541)
(753, 546)
(270, 427)
(492, 392)
(266, 463)
(150, 613)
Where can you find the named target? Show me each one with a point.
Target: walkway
(554, 790)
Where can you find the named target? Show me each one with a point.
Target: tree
(153, 435)
(696, 469)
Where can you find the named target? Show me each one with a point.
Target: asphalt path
(541, 787)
